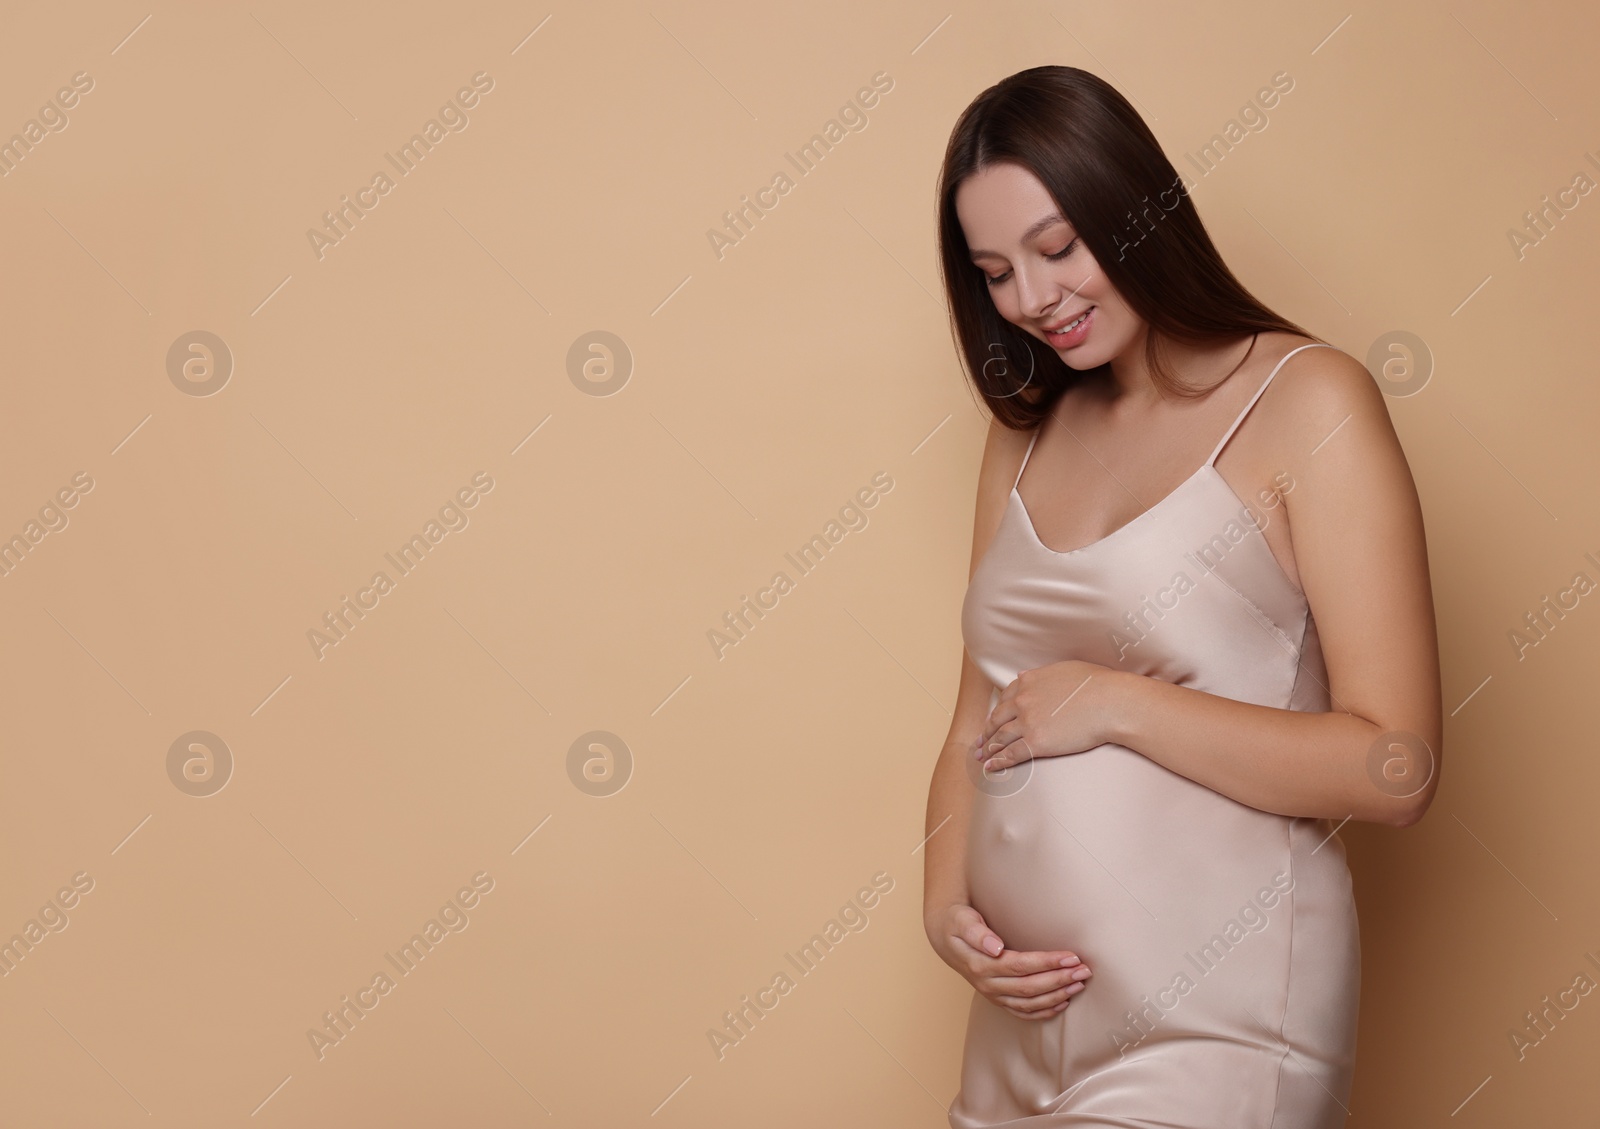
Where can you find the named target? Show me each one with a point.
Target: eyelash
(1061, 254)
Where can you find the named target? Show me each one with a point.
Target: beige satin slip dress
(1223, 939)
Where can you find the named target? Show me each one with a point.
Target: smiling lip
(1074, 338)
(1056, 328)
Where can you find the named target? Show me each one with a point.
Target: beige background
(766, 387)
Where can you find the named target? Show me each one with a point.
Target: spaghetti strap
(1026, 455)
(1229, 433)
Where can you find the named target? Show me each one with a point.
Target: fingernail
(992, 946)
(1075, 989)
(1068, 961)
(1081, 974)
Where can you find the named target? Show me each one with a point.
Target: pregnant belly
(1180, 899)
(1111, 855)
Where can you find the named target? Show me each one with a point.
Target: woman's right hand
(1030, 985)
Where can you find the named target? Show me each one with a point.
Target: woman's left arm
(1359, 547)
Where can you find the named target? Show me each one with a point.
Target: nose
(1037, 294)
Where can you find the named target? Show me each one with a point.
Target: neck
(1132, 380)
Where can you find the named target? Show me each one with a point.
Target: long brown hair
(1103, 167)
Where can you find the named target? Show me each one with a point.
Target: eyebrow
(1034, 228)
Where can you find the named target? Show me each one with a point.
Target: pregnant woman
(1199, 639)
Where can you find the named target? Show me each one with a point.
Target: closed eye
(1061, 254)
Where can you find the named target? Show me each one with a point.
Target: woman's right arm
(1031, 985)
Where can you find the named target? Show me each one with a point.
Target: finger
(1040, 1016)
(1036, 1004)
(1004, 710)
(979, 936)
(1012, 752)
(1055, 1011)
(1001, 734)
(1039, 983)
(1022, 962)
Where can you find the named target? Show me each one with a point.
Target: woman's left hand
(1050, 711)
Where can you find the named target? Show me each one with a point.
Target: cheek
(1110, 312)
(1005, 303)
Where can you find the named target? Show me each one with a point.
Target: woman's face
(1041, 275)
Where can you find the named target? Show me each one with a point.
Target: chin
(1083, 358)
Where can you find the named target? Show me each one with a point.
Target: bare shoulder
(1003, 450)
(1322, 397)
(1330, 377)
(1326, 430)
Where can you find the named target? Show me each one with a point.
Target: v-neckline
(1199, 472)
(1033, 532)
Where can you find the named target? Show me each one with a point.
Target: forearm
(1289, 762)
(944, 860)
